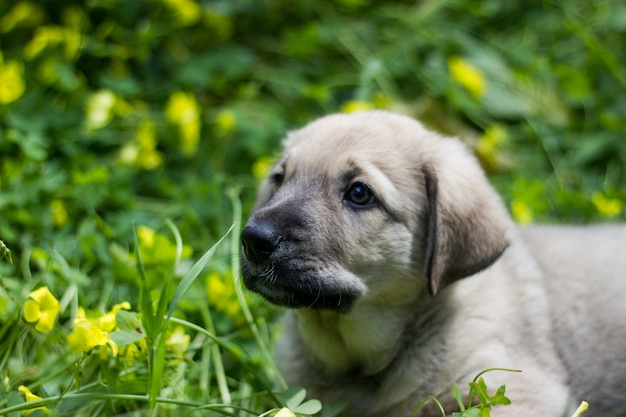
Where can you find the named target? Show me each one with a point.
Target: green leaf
(470, 412)
(294, 396)
(130, 331)
(125, 338)
(128, 321)
(479, 389)
(499, 398)
(308, 407)
(458, 396)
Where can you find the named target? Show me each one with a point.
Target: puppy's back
(584, 269)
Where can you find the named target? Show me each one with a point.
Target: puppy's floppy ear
(466, 226)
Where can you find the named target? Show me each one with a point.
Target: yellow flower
(608, 207)
(521, 211)
(42, 308)
(183, 110)
(221, 293)
(29, 396)
(187, 12)
(129, 154)
(468, 76)
(146, 236)
(356, 105)
(86, 335)
(12, 84)
(129, 353)
(381, 101)
(156, 248)
(22, 14)
(147, 157)
(59, 213)
(107, 322)
(73, 43)
(99, 109)
(89, 333)
(262, 166)
(226, 121)
(177, 342)
(489, 143)
(50, 36)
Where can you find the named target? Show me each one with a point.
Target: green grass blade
(179, 242)
(145, 302)
(192, 274)
(236, 267)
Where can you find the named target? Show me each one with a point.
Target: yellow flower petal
(177, 340)
(78, 339)
(356, 105)
(86, 335)
(226, 121)
(183, 110)
(31, 311)
(22, 14)
(99, 109)
(46, 321)
(59, 213)
(12, 85)
(186, 12)
(607, 207)
(285, 412)
(147, 156)
(108, 321)
(146, 236)
(262, 166)
(29, 396)
(521, 212)
(41, 307)
(45, 298)
(113, 346)
(467, 75)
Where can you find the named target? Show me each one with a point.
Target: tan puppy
(406, 275)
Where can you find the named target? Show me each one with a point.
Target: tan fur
(431, 283)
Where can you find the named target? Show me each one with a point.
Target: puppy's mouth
(299, 289)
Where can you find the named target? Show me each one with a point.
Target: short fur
(406, 275)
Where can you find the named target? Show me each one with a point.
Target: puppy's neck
(366, 339)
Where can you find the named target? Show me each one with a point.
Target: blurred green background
(115, 113)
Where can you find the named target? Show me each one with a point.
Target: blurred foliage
(115, 114)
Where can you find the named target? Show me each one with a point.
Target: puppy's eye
(278, 178)
(360, 195)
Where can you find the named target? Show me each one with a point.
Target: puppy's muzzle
(285, 268)
(259, 241)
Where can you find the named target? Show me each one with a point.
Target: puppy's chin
(318, 290)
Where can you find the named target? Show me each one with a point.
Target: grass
(143, 365)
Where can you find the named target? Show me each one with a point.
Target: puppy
(406, 275)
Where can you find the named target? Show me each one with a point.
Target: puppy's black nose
(259, 242)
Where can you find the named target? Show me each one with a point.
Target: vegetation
(133, 135)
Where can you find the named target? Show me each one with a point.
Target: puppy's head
(369, 206)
